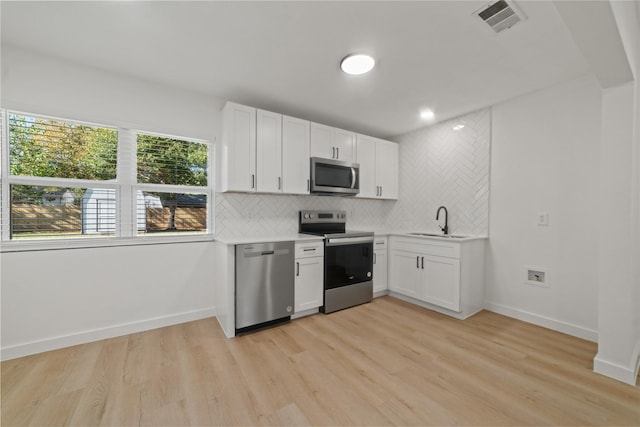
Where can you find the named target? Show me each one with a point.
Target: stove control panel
(314, 217)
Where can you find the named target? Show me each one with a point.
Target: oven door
(347, 261)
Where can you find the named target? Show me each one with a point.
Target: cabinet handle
(309, 249)
(375, 258)
(423, 263)
(417, 262)
(253, 181)
(338, 153)
(297, 269)
(379, 243)
(333, 152)
(279, 183)
(308, 186)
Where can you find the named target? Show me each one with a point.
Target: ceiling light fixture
(357, 63)
(427, 115)
(458, 126)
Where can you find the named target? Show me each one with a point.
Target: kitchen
(546, 155)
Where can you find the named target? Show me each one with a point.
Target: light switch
(543, 218)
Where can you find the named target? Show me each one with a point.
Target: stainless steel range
(348, 259)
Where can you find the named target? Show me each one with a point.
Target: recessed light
(357, 63)
(458, 126)
(427, 115)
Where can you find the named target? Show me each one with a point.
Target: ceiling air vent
(500, 15)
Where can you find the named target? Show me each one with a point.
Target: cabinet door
(440, 284)
(379, 270)
(321, 141)
(295, 155)
(309, 287)
(344, 143)
(404, 273)
(387, 169)
(366, 157)
(239, 148)
(268, 152)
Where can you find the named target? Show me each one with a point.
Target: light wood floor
(382, 363)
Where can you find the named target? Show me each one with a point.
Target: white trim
(166, 188)
(137, 132)
(455, 314)
(618, 372)
(62, 119)
(98, 242)
(84, 337)
(41, 181)
(5, 202)
(544, 321)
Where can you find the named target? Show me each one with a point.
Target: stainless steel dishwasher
(264, 283)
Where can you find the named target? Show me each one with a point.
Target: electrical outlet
(543, 218)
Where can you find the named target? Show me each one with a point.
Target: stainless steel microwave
(334, 177)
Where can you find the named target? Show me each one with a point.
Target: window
(55, 169)
(177, 170)
(66, 179)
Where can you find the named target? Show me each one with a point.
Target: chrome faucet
(445, 229)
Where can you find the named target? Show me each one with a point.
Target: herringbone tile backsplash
(438, 166)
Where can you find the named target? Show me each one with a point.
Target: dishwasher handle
(267, 252)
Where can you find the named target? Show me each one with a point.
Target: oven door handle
(341, 241)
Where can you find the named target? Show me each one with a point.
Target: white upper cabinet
(295, 155)
(263, 152)
(387, 169)
(268, 152)
(366, 158)
(378, 161)
(238, 148)
(332, 143)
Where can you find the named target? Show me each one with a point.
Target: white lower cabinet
(404, 272)
(309, 276)
(443, 274)
(379, 264)
(440, 281)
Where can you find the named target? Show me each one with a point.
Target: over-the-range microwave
(334, 177)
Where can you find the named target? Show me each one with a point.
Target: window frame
(125, 186)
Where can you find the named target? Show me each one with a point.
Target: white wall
(616, 303)
(51, 299)
(55, 298)
(545, 158)
(45, 85)
(619, 290)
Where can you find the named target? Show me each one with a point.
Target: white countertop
(242, 240)
(298, 237)
(440, 238)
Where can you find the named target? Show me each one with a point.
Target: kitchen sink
(443, 236)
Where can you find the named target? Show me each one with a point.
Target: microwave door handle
(353, 177)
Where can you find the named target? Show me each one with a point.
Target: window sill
(60, 244)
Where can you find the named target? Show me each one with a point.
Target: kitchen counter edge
(236, 240)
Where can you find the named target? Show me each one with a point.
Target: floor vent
(500, 15)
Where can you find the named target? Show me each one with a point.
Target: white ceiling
(283, 56)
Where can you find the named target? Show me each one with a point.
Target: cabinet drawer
(426, 246)
(309, 249)
(379, 243)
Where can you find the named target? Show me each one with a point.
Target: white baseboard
(547, 322)
(626, 374)
(54, 343)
